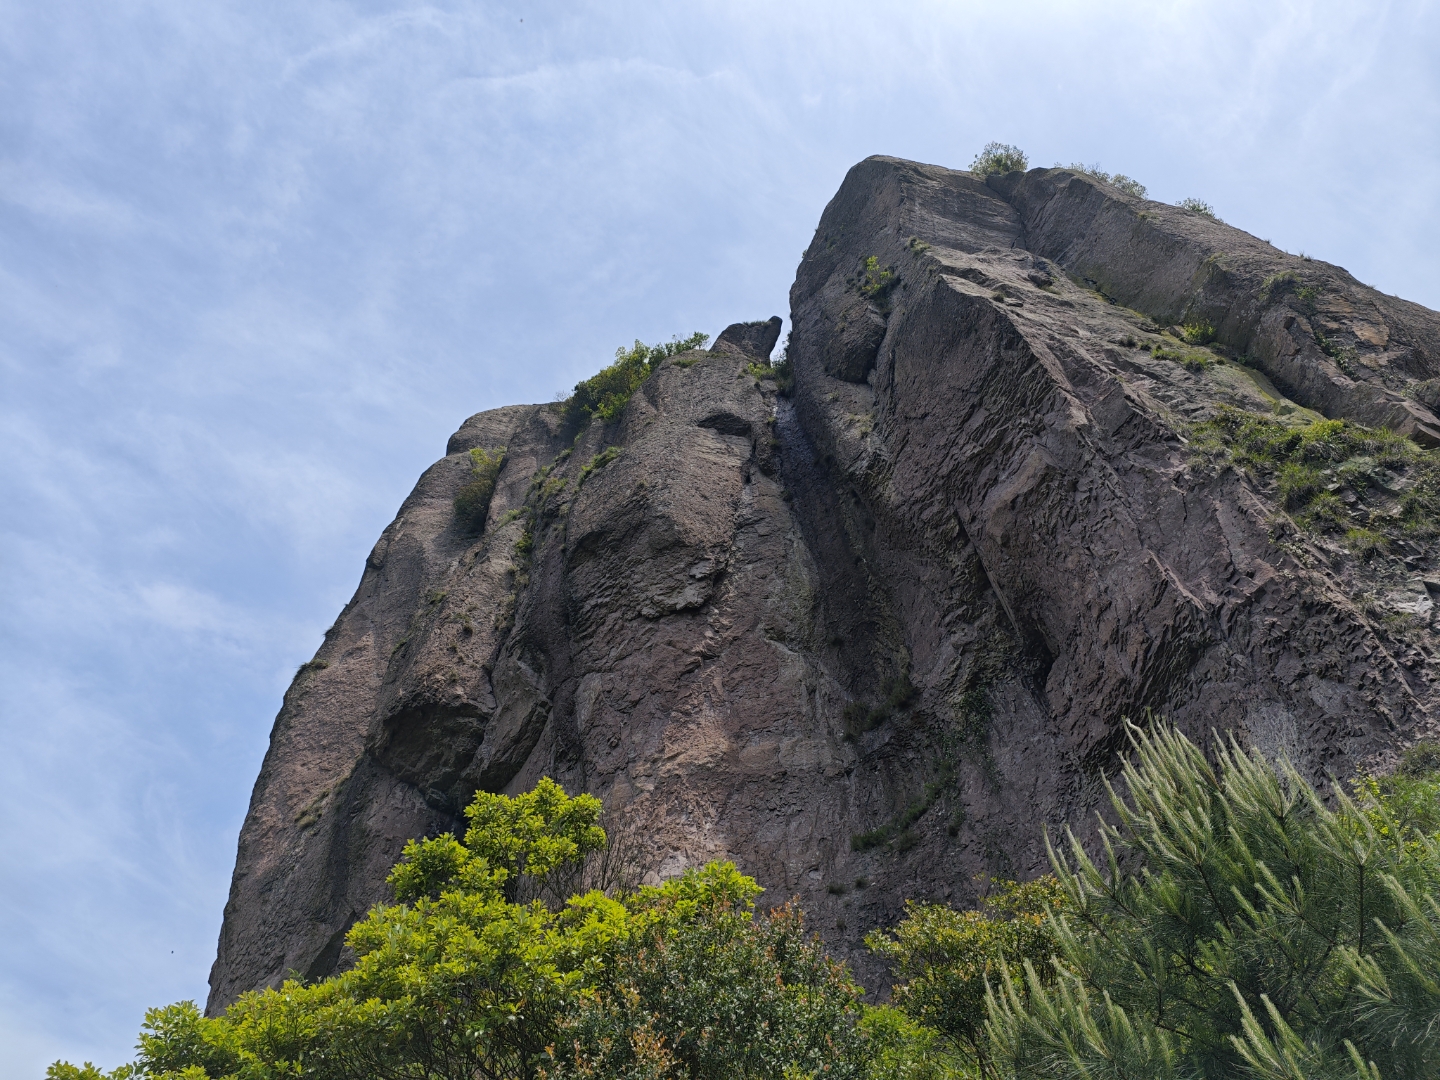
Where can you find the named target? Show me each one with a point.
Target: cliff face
(883, 630)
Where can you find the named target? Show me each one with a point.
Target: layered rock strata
(868, 639)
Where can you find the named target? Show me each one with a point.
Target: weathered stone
(983, 491)
(754, 339)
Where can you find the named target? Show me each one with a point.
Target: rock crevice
(884, 629)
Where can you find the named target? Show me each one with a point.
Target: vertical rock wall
(868, 639)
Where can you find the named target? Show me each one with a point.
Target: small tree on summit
(999, 158)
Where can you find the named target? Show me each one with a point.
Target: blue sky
(258, 260)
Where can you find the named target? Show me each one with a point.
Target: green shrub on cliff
(1197, 206)
(473, 501)
(947, 960)
(1386, 484)
(998, 158)
(605, 393)
(1389, 485)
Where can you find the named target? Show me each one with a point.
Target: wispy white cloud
(257, 260)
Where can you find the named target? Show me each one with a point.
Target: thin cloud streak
(258, 260)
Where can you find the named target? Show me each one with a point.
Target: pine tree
(1235, 925)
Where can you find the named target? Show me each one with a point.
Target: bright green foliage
(1407, 802)
(1235, 926)
(459, 981)
(532, 835)
(63, 1070)
(999, 157)
(454, 981)
(704, 990)
(899, 1048)
(604, 394)
(1396, 485)
(946, 958)
(876, 281)
(473, 501)
(1199, 332)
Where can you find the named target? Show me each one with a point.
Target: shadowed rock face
(886, 629)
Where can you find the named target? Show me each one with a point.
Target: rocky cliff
(868, 637)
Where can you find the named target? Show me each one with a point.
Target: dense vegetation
(605, 393)
(1369, 487)
(1236, 924)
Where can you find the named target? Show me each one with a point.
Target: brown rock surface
(978, 507)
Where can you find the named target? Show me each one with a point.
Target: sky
(259, 259)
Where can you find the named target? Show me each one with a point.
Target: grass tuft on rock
(1369, 486)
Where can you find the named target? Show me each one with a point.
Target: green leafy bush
(899, 1048)
(454, 980)
(1197, 206)
(473, 501)
(945, 959)
(701, 989)
(1278, 284)
(605, 393)
(1129, 185)
(998, 158)
(459, 979)
(876, 282)
(1200, 332)
(63, 1070)
(1417, 763)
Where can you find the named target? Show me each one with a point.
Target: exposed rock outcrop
(869, 639)
(753, 339)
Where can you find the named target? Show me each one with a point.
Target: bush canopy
(605, 393)
(999, 157)
(1230, 922)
